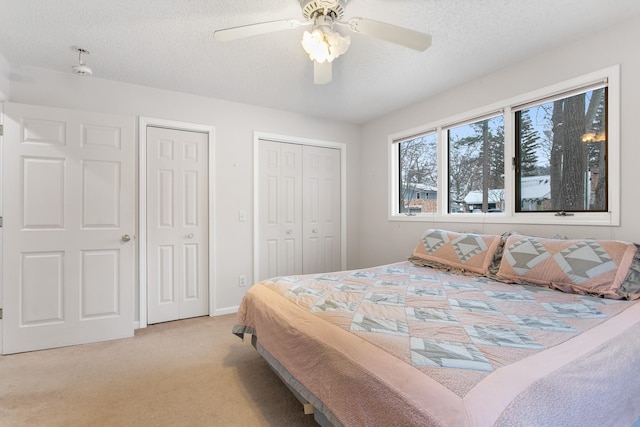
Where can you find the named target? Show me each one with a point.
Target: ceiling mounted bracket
(81, 69)
(313, 8)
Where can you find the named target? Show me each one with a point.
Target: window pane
(561, 154)
(418, 175)
(476, 166)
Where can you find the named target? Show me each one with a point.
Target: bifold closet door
(299, 209)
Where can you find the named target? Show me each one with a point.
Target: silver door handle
(189, 236)
(314, 231)
(289, 231)
(126, 238)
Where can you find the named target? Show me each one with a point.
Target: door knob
(126, 238)
(190, 236)
(314, 231)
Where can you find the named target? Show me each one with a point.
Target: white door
(299, 212)
(280, 210)
(321, 210)
(69, 215)
(177, 224)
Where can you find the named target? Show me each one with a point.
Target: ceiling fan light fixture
(324, 44)
(338, 44)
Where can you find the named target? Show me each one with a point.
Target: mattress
(407, 345)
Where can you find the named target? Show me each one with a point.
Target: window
(418, 174)
(541, 158)
(476, 166)
(561, 150)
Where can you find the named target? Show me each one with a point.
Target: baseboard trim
(226, 310)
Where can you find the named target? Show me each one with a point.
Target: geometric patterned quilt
(456, 329)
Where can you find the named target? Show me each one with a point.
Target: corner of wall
(5, 69)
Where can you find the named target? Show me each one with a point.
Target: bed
(472, 330)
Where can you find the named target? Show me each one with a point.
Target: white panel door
(177, 224)
(69, 215)
(280, 209)
(321, 210)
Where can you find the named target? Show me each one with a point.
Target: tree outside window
(418, 174)
(476, 166)
(561, 154)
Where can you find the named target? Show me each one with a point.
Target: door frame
(143, 123)
(342, 147)
(3, 98)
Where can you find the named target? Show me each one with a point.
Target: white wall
(383, 241)
(5, 71)
(234, 126)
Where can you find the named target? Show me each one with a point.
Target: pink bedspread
(407, 345)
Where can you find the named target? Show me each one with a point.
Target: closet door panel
(321, 212)
(280, 209)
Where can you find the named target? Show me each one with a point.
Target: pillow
(630, 288)
(467, 251)
(581, 266)
(420, 262)
(494, 266)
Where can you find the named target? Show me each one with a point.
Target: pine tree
(476, 161)
(528, 138)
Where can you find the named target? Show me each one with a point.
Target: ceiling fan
(323, 44)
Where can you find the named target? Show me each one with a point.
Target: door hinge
(1, 130)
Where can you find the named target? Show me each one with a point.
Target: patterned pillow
(494, 266)
(581, 266)
(470, 252)
(630, 288)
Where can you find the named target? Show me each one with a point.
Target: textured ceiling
(168, 44)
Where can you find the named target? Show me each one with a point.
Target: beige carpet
(187, 373)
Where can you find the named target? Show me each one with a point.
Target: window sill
(606, 219)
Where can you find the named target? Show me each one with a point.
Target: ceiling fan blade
(322, 72)
(391, 33)
(256, 29)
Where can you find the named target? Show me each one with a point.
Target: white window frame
(610, 218)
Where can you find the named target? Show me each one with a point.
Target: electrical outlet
(242, 281)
